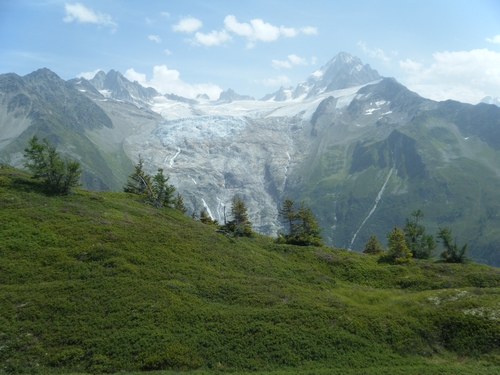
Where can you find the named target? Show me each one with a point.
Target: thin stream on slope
(374, 207)
(173, 159)
(208, 209)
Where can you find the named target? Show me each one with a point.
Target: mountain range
(361, 150)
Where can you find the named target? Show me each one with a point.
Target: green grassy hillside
(99, 282)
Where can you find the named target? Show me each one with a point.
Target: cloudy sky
(442, 49)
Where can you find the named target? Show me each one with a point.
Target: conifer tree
(179, 203)
(240, 226)
(308, 231)
(451, 253)
(288, 216)
(155, 190)
(303, 229)
(420, 244)
(58, 176)
(373, 247)
(139, 182)
(162, 192)
(206, 219)
(397, 251)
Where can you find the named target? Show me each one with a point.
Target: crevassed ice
(200, 128)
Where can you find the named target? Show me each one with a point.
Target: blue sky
(441, 49)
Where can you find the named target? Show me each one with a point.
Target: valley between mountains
(360, 149)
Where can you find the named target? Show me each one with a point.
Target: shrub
(373, 247)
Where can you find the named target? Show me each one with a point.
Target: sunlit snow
(305, 107)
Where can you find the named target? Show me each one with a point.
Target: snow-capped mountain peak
(341, 72)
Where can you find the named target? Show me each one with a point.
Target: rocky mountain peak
(43, 73)
(98, 80)
(116, 86)
(491, 100)
(44, 77)
(341, 72)
(202, 97)
(229, 95)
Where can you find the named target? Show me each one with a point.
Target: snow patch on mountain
(302, 106)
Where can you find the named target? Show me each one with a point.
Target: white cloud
(278, 81)
(466, 76)
(88, 75)
(375, 53)
(409, 66)
(264, 31)
(154, 38)
(288, 31)
(495, 39)
(314, 59)
(165, 14)
(79, 13)
(213, 38)
(296, 60)
(188, 25)
(292, 60)
(281, 64)
(258, 30)
(149, 21)
(238, 28)
(167, 52)
(309, 30)
(168, 81)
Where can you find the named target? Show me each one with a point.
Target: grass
(101, 283)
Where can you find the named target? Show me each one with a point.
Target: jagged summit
(114, 85)
(43, 73)
(202, 97)
(341, 72)
(491, 100)
(281, 95)
(98, 80)
(229, 95)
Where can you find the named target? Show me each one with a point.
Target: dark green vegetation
(154, 190)
(100, 282)
(301, 227)
(373, 247)
(420, 244)
(397, 251)
(239, 226)
(57, 176)
(452, 253)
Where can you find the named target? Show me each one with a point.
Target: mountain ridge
(330, 148)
